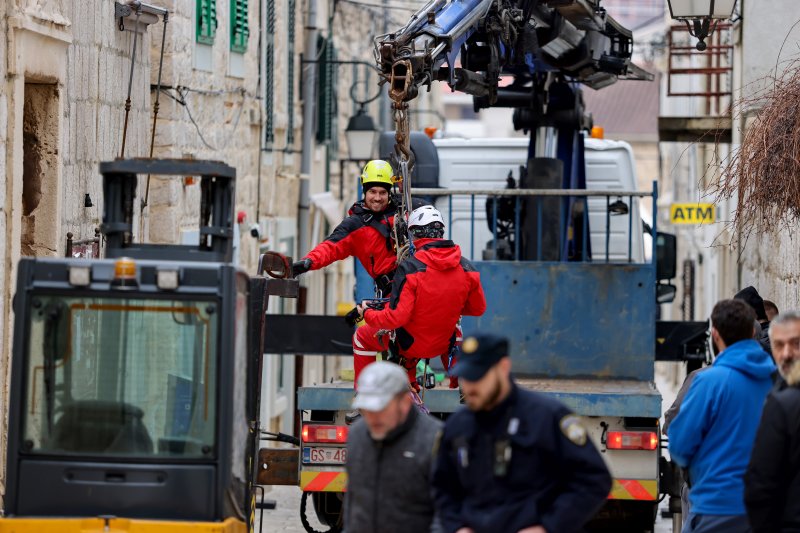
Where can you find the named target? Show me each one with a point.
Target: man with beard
(365, 233)
(713, 433)
(772, 480)
(513, 460)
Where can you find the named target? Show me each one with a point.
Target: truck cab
(487, 163)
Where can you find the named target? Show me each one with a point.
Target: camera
(254, 230)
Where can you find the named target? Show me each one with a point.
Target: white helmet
(422, 216)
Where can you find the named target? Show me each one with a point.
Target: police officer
(513, 460)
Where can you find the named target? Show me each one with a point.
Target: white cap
(378, 383)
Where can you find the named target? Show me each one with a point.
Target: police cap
(479, 353)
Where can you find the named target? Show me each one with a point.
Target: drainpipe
(309, 109)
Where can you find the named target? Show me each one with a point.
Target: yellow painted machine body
(116, 525)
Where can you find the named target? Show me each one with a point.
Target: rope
(306, 525)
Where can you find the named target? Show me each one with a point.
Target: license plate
(329, 456)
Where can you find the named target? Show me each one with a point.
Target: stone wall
(770, 262)
(95, 92)
(61, 102)
(5, 259)
(211, 107)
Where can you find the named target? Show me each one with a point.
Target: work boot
(351, 416)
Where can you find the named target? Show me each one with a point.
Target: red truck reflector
(336, 434)
(632, 440)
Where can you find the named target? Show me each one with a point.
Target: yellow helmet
(377, 173)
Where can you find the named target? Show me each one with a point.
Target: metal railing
(575, 209)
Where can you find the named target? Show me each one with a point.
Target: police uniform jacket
(553, 475)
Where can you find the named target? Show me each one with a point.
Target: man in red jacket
(365, 233)
(431, 290)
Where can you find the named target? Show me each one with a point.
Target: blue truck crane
(582, 324)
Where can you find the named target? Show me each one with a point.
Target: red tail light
(632, 440)
(336, 434)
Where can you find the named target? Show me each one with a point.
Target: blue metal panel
(633, 403)
(333, 398)
(572, 319)
(623, 404)
(450, 16)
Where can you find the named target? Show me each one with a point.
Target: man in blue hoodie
(714, 431)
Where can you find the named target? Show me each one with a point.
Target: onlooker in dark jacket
(772, 481)
(389, 457)
(750, 296)
(713, 433)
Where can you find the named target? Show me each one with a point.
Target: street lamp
(698, 16)
(361, 136)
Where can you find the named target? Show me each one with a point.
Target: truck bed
(587, 397)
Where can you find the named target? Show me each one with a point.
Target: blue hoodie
(714, 431)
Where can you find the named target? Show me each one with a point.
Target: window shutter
(290, 74)
(206, 21)
(326, 90)
(269, 75)
(334, 137)
(240, 29)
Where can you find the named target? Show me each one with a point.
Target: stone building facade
(767, 45)
(723, 263)
(62, 66)
(231, 91)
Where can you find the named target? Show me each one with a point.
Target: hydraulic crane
(547, 48)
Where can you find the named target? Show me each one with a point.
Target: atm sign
(692, 213)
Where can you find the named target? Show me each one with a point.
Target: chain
(405, 158)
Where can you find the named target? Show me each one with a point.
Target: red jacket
(431, 291)
(364, 235)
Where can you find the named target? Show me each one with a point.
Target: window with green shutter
(326, 90)
(269, 75)
(240, 30)
(290, 74)
(334, 145)
(206, 21)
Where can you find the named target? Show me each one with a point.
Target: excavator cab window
(121, 377)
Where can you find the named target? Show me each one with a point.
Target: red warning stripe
(320, 481)
(634, 489)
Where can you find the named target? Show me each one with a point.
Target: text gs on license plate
(318, 455)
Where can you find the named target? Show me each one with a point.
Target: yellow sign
(692, 213)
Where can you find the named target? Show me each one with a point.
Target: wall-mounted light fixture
(701, 16)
